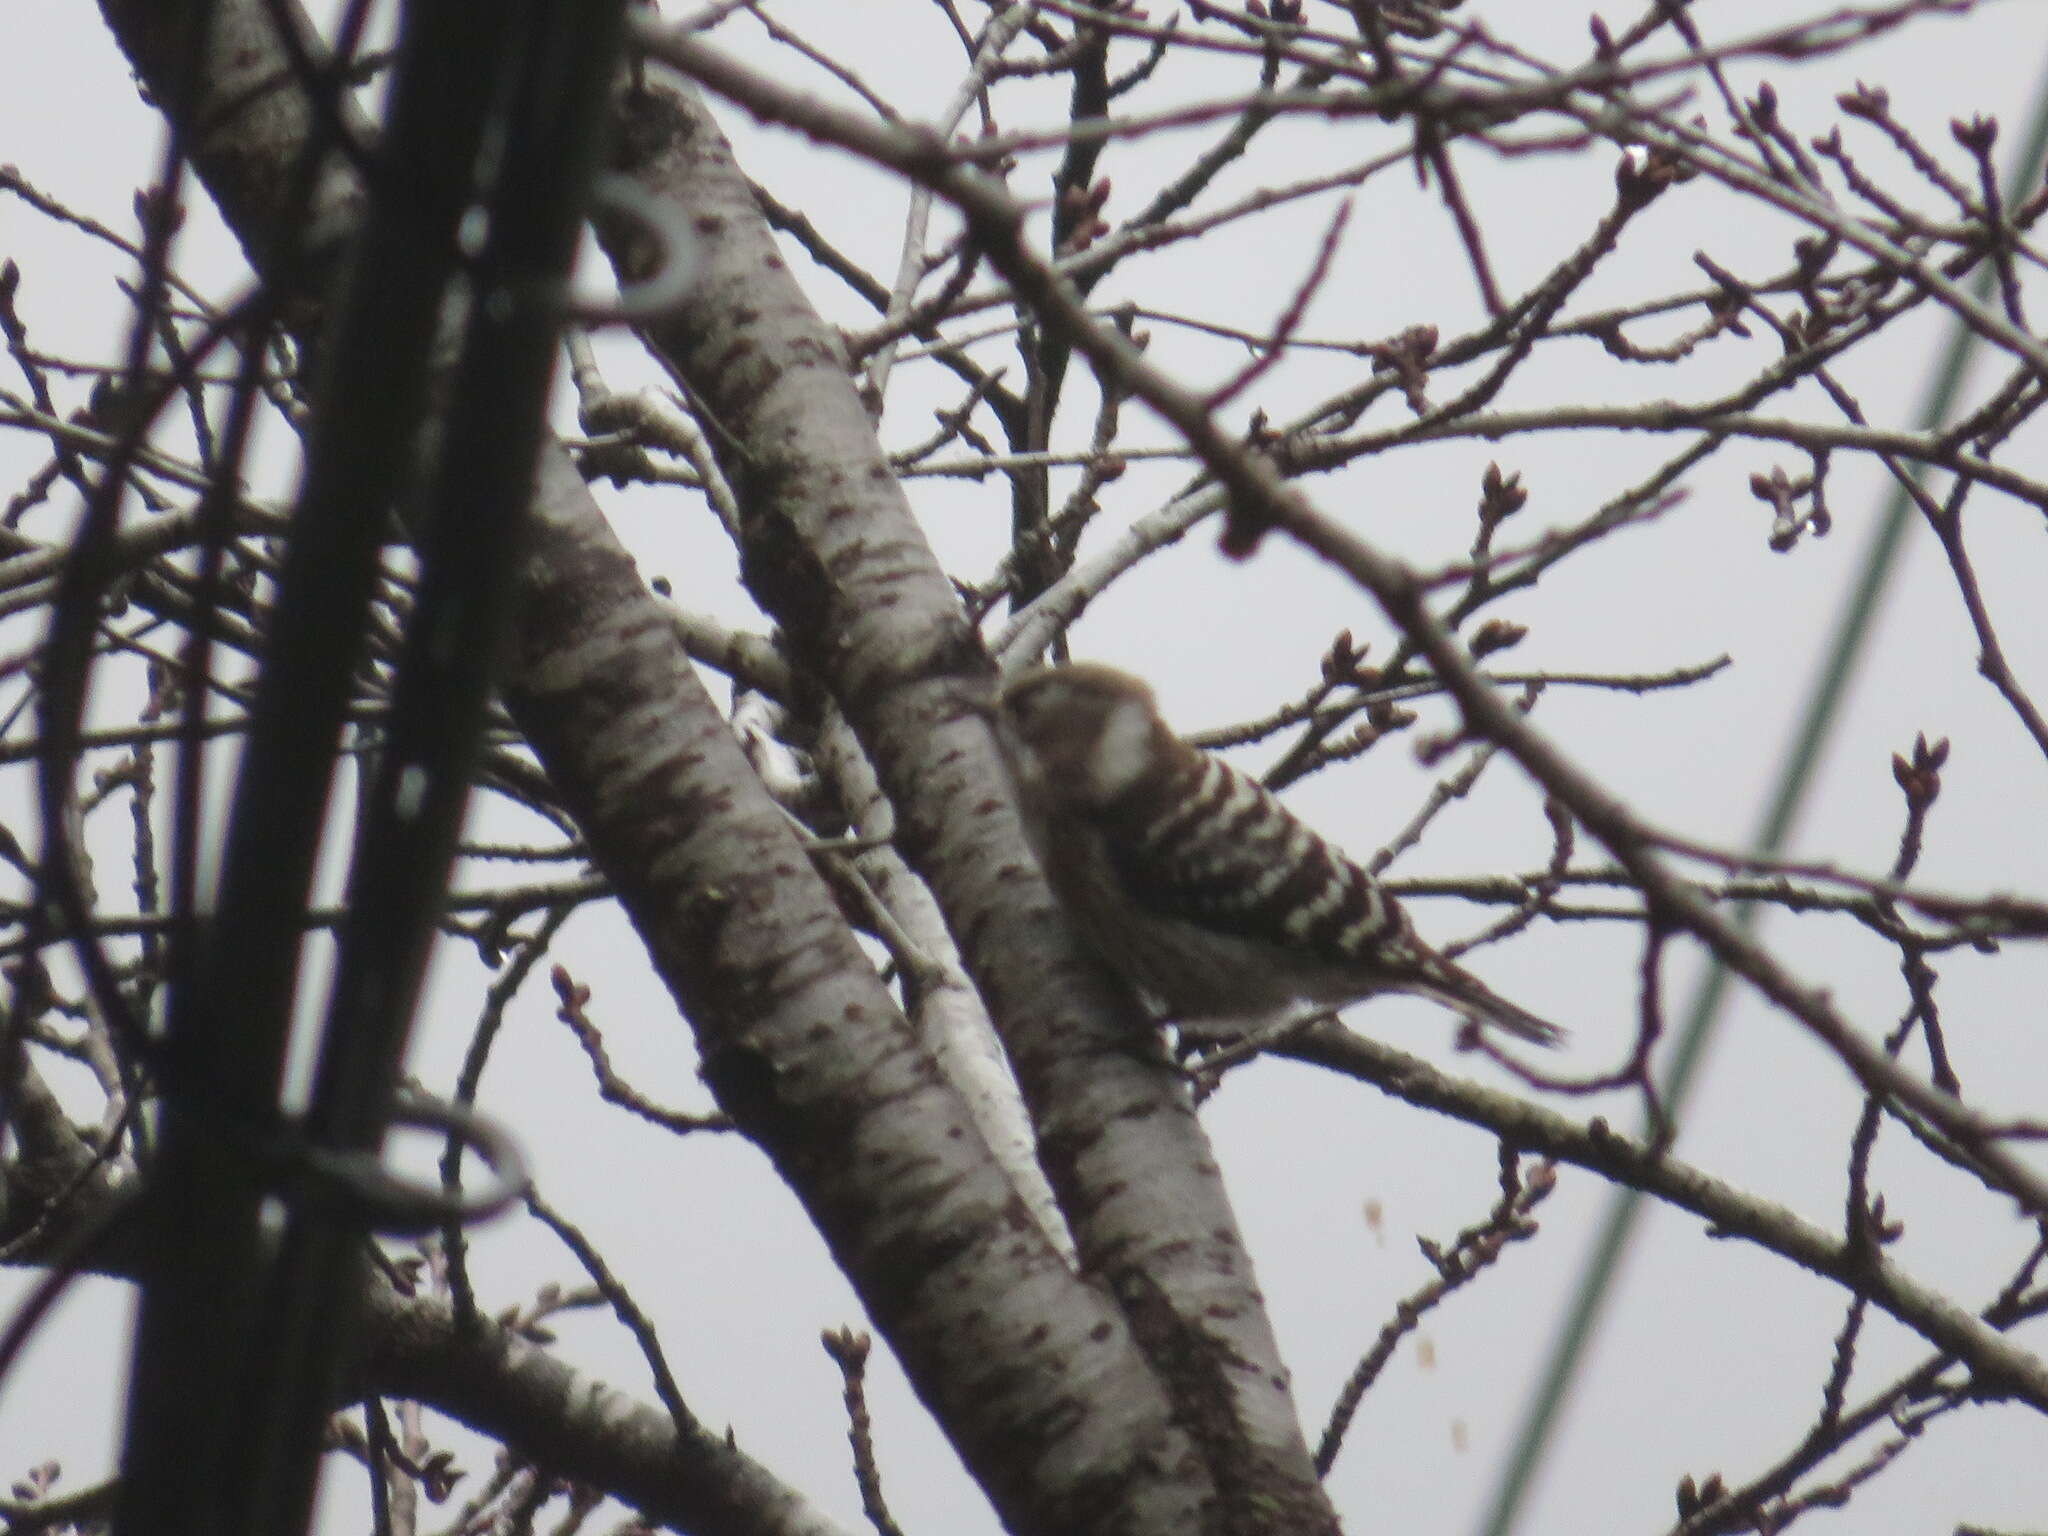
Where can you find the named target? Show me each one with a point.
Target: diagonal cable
(555, 60)
(229, 1020)
(1816, 725)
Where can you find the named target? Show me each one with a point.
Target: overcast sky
(1714, 1355)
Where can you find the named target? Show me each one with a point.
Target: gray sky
(1714, 1355)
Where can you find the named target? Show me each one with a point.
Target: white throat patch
(1123, 752)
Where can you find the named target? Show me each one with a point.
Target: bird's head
(1082, 733)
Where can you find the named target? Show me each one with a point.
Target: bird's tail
(1465, 993)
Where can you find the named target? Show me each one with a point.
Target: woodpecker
(1192, 881)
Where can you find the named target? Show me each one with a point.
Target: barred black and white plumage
(1196, 883)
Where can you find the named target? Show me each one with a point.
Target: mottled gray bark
(1080, 1407)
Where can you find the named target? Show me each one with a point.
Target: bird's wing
(1221, 853)
(1230, 858)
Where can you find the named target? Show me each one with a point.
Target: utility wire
(1838, 670)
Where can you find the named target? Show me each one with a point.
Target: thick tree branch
(832, 551)
(1030, 1369)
